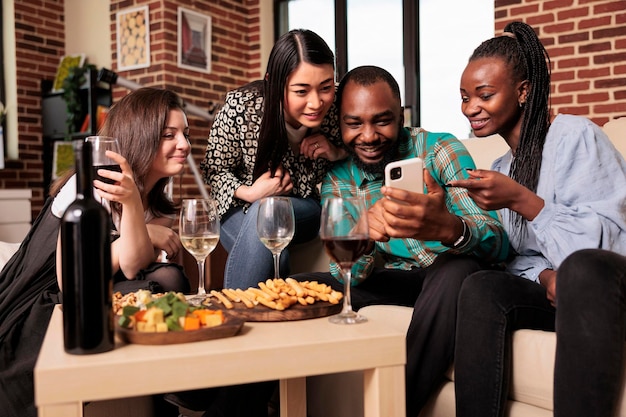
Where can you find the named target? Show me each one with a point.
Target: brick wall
(235, 60)
(586, 41)
(40, 42)
(585, 38)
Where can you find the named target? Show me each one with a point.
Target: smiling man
(429, 241)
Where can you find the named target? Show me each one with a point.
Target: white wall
(88, 30)
(450, 30)
(10, 79)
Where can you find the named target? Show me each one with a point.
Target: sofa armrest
(6, 252)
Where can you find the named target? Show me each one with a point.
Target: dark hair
(368, 75)
(527, 59)
(291, 49)
(138, 121)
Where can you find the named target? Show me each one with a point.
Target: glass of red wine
(345, 234)
(99, 146)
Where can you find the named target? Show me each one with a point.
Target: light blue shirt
(583, 184)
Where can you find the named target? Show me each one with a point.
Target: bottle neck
(84, 177)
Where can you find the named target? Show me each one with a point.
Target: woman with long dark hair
(559, 190)
(275, 136)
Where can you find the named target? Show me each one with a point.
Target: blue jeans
(249, 261)
(589, 322)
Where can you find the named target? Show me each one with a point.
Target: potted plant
(71, 94)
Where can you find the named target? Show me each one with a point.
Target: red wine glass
(345, 234)
(99, 146)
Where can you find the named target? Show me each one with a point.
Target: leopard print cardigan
(232, 147)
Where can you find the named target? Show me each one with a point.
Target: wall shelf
(54, 115)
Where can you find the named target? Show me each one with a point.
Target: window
(422, 44)
(364, 43)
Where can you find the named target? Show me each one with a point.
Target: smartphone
(407, 174)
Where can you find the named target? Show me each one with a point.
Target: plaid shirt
(445, 158)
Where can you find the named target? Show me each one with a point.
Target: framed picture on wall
(194, 40)
(62, 158)
(67, 62)
(133, 38)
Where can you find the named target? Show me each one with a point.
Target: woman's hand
(318, 146)
(266, 185)
(165, 239)
(492, 190)
(547, 278)
(133, 250)
(123, 190)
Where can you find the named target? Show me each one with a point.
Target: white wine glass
(199, 232)
(275, 226)
(99, 146)
(345, 234)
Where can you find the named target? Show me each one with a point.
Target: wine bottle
(86, 266)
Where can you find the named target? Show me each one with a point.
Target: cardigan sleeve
(231, 147)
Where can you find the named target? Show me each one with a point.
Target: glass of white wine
(275, 225)
(199, 231)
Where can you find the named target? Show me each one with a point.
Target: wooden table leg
(61, 410)
(293, 397)
(384, 392)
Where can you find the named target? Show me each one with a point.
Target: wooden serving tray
(263, 313)
(231, 326)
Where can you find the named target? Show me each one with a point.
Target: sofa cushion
(6, 251)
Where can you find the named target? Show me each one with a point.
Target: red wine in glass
(345, 234)
(346, 250)
(110, 167)
(100, 160)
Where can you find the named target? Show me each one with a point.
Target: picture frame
(133, 38)
(66, 62)
(194, 40)
(62, 158)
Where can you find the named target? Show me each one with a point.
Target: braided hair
(526, 59)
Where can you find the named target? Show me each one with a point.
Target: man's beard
(378, 167)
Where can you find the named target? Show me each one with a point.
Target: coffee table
(287, 351)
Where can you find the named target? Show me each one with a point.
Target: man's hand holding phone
(413, 214)
(407, 174)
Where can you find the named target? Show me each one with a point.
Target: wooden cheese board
(231, 326)
(260, 313)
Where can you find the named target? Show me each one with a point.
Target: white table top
(261, 351)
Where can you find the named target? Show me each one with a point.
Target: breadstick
(231, 294)
(222, 299)
(271, 304)
(244, 298)
(296, 286)
(268, 290)
(334, 297)
(259, 294)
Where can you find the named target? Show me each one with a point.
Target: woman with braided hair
(559, 190)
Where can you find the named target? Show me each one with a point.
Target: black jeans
(432, 292)
(590, 335)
